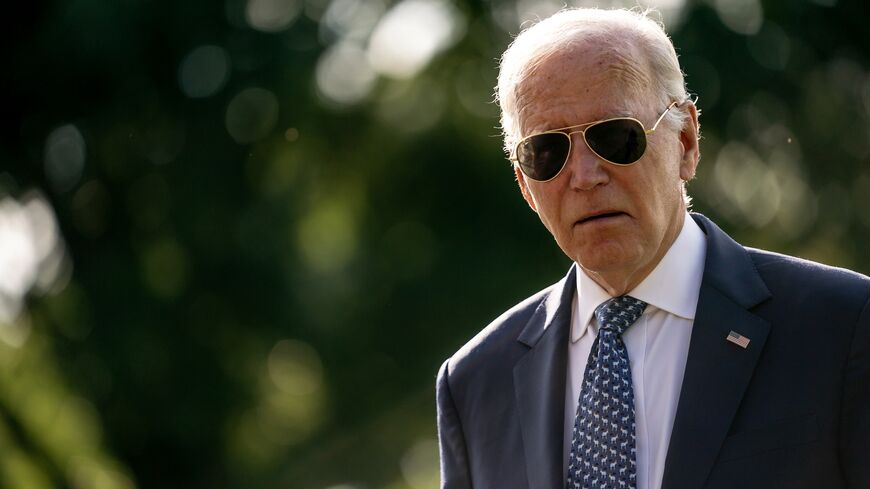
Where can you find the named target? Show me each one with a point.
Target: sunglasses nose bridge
(586, 169)
(577, 139)
(579, 144)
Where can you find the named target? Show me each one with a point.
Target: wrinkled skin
(644, 201)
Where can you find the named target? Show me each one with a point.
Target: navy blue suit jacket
(792, 410)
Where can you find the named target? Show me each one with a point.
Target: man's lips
(599, 216)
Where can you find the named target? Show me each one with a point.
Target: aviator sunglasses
(621, 141)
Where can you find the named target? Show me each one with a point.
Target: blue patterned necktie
(603, 442)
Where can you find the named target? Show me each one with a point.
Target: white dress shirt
(658, 344)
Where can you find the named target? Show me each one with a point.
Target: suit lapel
(717, 371)
(539, 382)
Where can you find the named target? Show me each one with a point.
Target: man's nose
(586, 170)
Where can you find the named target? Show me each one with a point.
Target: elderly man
(669, 356)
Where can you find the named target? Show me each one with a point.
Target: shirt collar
(673, 285)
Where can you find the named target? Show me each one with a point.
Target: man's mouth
(599, 216)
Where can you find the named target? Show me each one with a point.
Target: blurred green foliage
(279, 216)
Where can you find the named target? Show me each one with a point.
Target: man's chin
(605, 255)
(607, 260)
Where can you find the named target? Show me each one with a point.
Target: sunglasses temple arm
(661, 117)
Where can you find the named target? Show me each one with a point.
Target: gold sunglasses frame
(567, 132)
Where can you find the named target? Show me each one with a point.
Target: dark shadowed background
(237, 238)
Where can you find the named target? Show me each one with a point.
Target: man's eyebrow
(603, 116)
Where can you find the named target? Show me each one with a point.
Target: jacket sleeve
(855, 424)
(454, 456)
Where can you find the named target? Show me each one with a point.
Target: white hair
(624, 32)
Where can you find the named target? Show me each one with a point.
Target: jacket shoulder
(497, 340)
(806, 280)
(771, 263)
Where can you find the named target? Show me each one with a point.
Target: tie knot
(619, 313)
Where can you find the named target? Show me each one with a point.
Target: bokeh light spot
(18, 258)
(64, 157)
(741, 16)
(770, 47)
(289, 408)
(351, 19)
(204, 71)
(30, 251)
(412, 106)
(251, 115)
(749, 185)
(295, 368)
(798, 208)
(411, 34)
(343, 74)
(271, 15)
(327, 236)
(275, 175)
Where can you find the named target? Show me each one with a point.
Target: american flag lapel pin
(738, 339)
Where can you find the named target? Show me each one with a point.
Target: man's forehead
(625, 56)
(579, 85)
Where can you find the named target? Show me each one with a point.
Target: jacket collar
(539, 381)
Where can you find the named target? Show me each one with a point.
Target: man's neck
(620, 282)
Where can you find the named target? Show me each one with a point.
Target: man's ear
(689, 143)
(524, 188)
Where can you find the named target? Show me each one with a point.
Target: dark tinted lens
(542, 156)
(620, 141)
